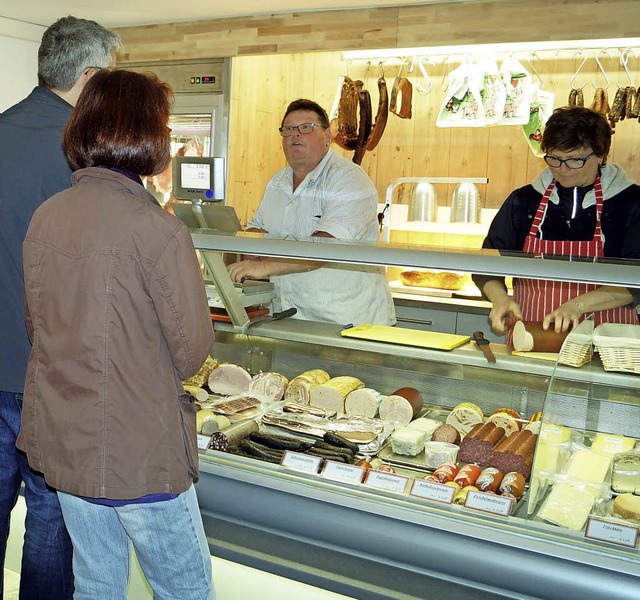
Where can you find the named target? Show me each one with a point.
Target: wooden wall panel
(285, 56)
(409, 147)
(442, 23)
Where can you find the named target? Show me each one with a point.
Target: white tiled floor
(232, 581)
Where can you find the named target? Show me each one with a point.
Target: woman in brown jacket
(118, 316)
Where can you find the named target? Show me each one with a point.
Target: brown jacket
(118, 316)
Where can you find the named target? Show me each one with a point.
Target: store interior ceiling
(124, 13)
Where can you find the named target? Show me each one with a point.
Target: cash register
(200, 180)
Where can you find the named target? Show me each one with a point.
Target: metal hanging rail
(401, 54)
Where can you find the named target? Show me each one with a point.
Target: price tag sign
(490, 503)
(438, 492)
(338, 471)
(381, 480)
(301, 462)
(614, 533)
(203, 441)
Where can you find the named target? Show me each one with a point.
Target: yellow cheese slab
(588, 466)
(607, 443)
(406, 337)
(567, 506)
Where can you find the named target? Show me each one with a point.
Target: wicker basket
(576, 349)
(618, 346)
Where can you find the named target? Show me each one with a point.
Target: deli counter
(396, 535)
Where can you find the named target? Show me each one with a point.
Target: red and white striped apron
(538, 297)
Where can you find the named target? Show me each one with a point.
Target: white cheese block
(438, 453)
(363, 403)
(426, 425)
(567, 506)
(408, 442)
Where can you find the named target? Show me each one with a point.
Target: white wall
(18, 60)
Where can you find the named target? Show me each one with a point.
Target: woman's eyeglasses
(572, 163)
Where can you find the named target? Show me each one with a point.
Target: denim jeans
(46, 554)
(168, 538)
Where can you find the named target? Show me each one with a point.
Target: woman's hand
(565, 316)
(504, 313)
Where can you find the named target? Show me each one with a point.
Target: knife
(483, 344)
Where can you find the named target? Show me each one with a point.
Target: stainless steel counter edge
(441, 549)
(404, 255)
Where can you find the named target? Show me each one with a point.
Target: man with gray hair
(33, 168)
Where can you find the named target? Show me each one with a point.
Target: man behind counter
(319, 194)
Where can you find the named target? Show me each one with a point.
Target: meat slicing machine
(234, 297)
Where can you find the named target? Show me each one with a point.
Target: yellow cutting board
(406, 337)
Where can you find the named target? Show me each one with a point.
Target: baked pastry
(443, 280)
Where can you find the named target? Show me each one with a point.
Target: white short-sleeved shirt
(339, 198)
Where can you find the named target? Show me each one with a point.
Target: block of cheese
(627, 506)
(408, 442)
(426, 425)
(607, 443)
(567, 506)
(546, 458)
(555, 434)
(588, 466)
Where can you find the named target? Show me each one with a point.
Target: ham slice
(229, 379)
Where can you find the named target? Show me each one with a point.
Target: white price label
(497, 505)
(605, 531)
(301, 462)
(203, 441)
(340, 472)
(382, 480)
(432, 491)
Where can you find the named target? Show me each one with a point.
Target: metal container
(423, 205)
(465, 204)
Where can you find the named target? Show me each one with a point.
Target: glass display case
(401, 535)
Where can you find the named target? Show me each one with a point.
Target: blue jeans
(168, 538)
(46, 554)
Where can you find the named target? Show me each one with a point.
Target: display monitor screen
(198, 178)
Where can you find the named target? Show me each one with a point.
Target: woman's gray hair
(69, 47)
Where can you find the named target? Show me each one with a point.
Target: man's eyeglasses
(289, 130)
(572, 163)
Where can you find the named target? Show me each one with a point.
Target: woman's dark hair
(310, 105)
(571, 128)
(120, 120)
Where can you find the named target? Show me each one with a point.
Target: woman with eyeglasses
(579, 206)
